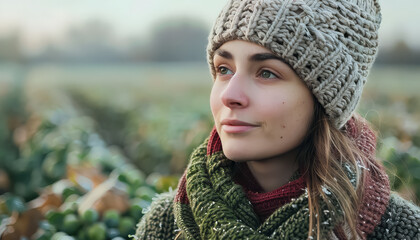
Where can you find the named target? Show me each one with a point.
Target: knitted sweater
(384, 217)
(401, 220)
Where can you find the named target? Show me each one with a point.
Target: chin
(238, 155)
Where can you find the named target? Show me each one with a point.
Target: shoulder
(159, 220)
(401, 220)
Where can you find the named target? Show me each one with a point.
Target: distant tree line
(179, 39)
(400, 54)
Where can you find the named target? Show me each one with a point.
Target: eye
(224, 70)
(268, 74)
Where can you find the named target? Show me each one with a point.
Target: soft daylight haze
(108, 95)
(44, 21)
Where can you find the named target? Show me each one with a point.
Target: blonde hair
(322, 155)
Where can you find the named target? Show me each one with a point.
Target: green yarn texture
(219, 209)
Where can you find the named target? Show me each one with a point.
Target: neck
(274, 172)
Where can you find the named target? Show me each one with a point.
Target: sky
(43, 21)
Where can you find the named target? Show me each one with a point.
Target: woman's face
(261, 108)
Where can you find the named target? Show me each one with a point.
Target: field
(111, 118)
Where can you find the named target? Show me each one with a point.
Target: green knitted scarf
(216, 208)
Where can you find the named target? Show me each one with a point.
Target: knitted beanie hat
(331, 44)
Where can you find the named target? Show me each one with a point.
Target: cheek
(215, 101)
(299, 113)
(288, 116)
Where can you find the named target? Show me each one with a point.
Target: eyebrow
(258, 57)
(223, 53)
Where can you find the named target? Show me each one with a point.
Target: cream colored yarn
(331, 44)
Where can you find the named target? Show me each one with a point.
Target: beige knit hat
(331, 44)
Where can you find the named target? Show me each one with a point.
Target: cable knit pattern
(400, 221)
(330, 44)
(161, 223)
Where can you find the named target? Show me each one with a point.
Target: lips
(236, 126)
(235, 122)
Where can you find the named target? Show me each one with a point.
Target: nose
(234, 95)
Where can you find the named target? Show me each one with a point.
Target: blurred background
(101, 104)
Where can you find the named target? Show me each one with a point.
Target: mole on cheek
(281, 137)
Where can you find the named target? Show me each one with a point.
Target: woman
(288, 158)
